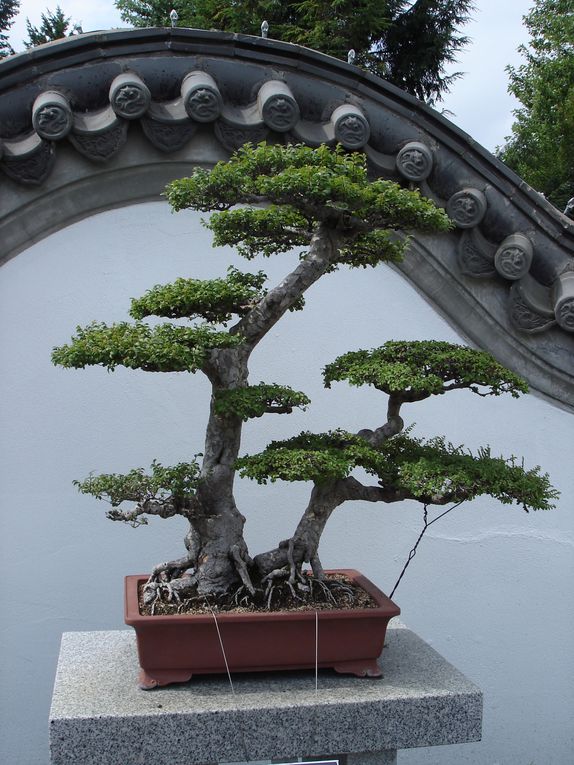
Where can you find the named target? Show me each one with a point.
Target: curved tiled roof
(106, 119)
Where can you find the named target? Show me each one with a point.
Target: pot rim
(385, 606)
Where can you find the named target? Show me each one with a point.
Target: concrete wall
(490, 588)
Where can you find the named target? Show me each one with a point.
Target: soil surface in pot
(335, 592)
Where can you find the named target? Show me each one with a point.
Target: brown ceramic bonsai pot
(173, 648)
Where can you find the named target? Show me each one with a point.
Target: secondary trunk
(304, 544)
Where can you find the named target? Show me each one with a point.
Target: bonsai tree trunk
(221, 558)
(303, 546)
(221, 552)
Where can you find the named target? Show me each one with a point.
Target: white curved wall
(490, 587)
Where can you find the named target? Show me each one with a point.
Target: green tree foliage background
(54, 26)
(406, 43)
(541, 147)
(8, 11)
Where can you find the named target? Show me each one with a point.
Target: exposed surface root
(242, 560)
(154, 593)
(171, 569)
(273, 593)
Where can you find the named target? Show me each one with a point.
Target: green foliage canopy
(163, 348)
(267, 199)
(8, 12)
(215, 300)
(155, 13)
(179, 481)
(541, 149)
(256, 400)
(305, 187)
(432, 471)
(55, 25)
(418, 369)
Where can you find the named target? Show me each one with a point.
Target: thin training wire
(313, 708)
(241, 730)
(426, 524)
(316, 652)
(223, 652)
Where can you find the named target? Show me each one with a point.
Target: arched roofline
(106, 119)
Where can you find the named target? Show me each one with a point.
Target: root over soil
(335, 591)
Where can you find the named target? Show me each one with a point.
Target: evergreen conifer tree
(55, 25)
(8, 11)
(407, 43)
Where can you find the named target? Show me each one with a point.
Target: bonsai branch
(322, 254)
(164, 508)
(392, 426)
(173, 569)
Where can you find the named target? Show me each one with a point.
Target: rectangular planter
(173, 648)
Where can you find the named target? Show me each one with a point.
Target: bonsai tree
(268, 200)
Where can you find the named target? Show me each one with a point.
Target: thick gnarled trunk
(221, 552)
(218, 552)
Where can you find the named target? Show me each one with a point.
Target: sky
(478, 102)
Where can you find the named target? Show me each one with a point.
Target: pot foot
(365, 668)
(155, 678)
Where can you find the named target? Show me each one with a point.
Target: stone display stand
(100, 717)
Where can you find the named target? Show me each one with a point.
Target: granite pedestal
(100, 717)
